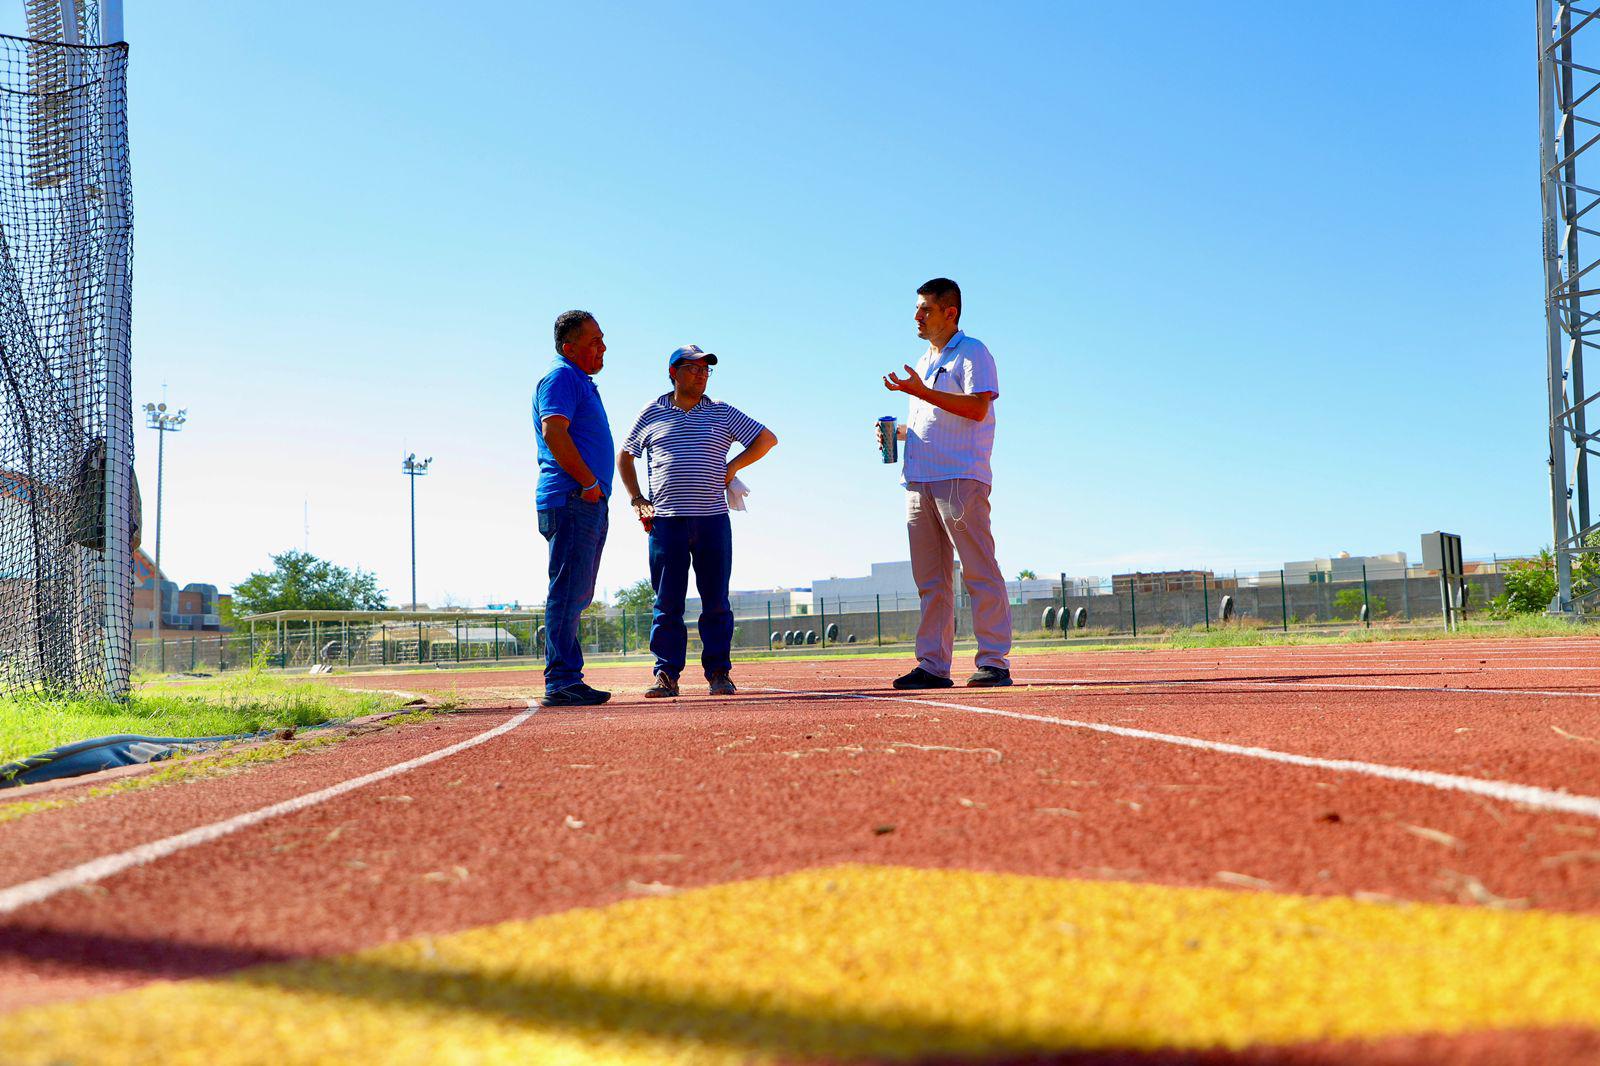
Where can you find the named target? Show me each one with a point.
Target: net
(67, 513)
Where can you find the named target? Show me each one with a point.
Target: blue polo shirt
(569, 392)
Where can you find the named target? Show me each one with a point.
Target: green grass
(10, 812)
(245, 702)
(1234, 636)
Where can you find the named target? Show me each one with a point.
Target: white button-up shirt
(940, 445)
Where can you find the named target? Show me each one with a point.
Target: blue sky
(1259, 288)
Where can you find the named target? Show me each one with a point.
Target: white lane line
(1419, 688)
(1543, 799)
(1423, 665)
(1301, 656)
(1342, 662)
(1110, 684)
(39, 889)
(1268, 685)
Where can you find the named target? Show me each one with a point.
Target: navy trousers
(577, 532)
(704, 542)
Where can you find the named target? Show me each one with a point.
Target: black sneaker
(989, 677)
(576, 695)
(665, 688)
(721, 684)
(920, 678)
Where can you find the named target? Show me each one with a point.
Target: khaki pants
(942, 518)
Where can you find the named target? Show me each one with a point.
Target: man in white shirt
(949, 438)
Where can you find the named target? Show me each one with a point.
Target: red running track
(700, 791)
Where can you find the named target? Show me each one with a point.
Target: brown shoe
(722, 684)
(664, 688)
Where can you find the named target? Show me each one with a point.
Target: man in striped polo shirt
(684, 438)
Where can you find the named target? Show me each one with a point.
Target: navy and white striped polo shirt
(686, 453)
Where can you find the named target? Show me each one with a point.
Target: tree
(637, 598)
(299, 581)
(1027, 575)
(597, 631)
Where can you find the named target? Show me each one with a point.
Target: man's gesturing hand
(911, 383)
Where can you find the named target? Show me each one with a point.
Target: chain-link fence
(1145, 604)
(1128, 605)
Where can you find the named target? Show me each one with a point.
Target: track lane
(703, 792)
(52, 840)
(586, 808)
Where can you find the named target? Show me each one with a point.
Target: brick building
(1168, 581)
(193, 607)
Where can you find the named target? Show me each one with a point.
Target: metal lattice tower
(1569, 128)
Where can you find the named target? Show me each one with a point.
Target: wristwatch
(637, 499)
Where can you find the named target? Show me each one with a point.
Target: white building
(758, 603)
(1049, 588)
(889, 584)
(1345, 567)
(893, 585)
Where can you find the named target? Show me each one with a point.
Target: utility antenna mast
(1569, 128)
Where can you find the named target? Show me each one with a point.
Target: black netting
(67, 511)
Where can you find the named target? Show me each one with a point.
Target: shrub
(1531, 583)
(1347, 604)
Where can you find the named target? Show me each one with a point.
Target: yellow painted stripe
(865, 961)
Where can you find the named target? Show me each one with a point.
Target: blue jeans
(577, 532)
(706, 543)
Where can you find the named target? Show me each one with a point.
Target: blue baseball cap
(690, 353)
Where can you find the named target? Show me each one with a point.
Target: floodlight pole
(158, 418)
(413, 468)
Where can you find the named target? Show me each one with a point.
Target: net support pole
(1366, 602)
(116, 570)
(111, 22)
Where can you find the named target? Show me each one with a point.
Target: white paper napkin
(737, 491)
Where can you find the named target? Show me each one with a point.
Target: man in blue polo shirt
(685, 438)
(574, 485)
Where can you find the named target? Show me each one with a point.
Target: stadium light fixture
(413, 468)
